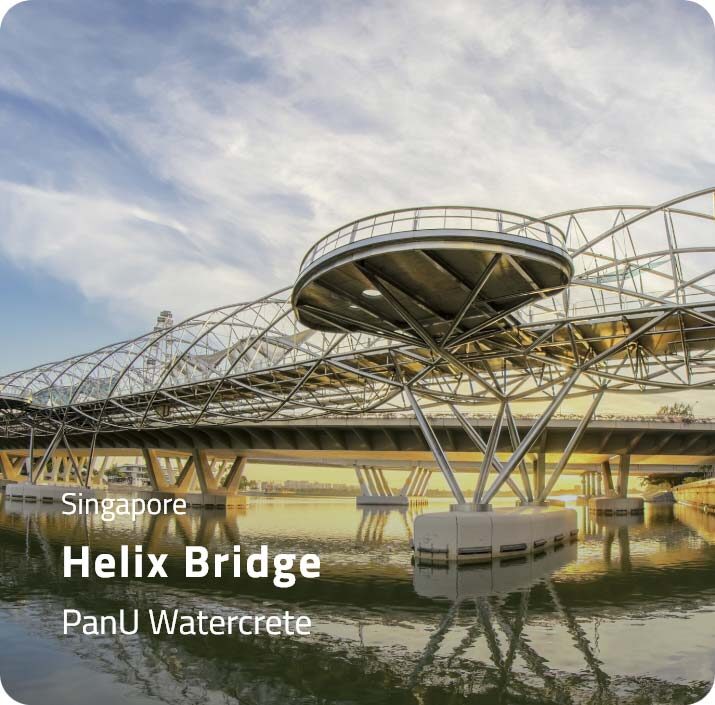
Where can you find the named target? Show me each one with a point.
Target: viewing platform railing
(436, 218)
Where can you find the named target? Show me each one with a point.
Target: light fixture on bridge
(371, 293)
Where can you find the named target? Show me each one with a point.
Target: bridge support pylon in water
(439, 280)
(375, 490)
(483, 307)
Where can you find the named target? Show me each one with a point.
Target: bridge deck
(396, 441)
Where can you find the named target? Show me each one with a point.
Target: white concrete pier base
(471, 537)
(28, 492)
(456, 582)
(616, 506)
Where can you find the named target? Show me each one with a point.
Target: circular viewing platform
(443, 269)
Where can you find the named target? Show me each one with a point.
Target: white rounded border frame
(7, 5)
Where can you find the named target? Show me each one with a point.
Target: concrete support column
(583, 484)
(416, 480)
(419, 479)
(624, 469)
(91, 463)
(174, 466)
(9, 470)
(220, 472)
(207, 482)
(72, 468)
(64, 469)
(370, 481)
(59, 470)
(599, 486)
(420, 482)
(186, 475)
(373, 482)
(376, 480)
(607, 476)
(21, 463)
(383, 481)
(423, 485)
(83, 473)
(6, 467)
(404, 492)
(156, 474)
(233, 479)
(539, 470)
(102, 470)
(364, 489)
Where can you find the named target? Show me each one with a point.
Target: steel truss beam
(253, 361)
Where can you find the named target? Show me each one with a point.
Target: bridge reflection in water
(623, 617)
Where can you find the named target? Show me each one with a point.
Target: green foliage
(676, 409)
(658, 483)
(667, 482)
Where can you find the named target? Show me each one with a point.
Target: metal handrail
(627, 301)
(436, 218)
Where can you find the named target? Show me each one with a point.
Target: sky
(184, 155)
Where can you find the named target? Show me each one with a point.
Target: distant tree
(667, 482)
(677, 409)
(650, 482)
(113, 474)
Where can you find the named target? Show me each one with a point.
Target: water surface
(625, 616)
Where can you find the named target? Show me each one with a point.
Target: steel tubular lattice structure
(616, 299)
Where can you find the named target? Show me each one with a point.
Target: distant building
(305, 486)
(130, 475)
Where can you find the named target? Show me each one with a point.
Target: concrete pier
(50, 493)
(603, 498)
(475, 536)
(458, 583)
(375, 491)
(31, 492)
(616, 506)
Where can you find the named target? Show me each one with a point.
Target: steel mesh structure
(451, 305)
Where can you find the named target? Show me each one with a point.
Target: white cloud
(131, 259)
(255, 131)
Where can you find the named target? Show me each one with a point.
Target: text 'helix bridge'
(441, 307)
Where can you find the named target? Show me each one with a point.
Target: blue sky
(185, 155)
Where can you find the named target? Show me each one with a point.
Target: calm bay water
(627, 615)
